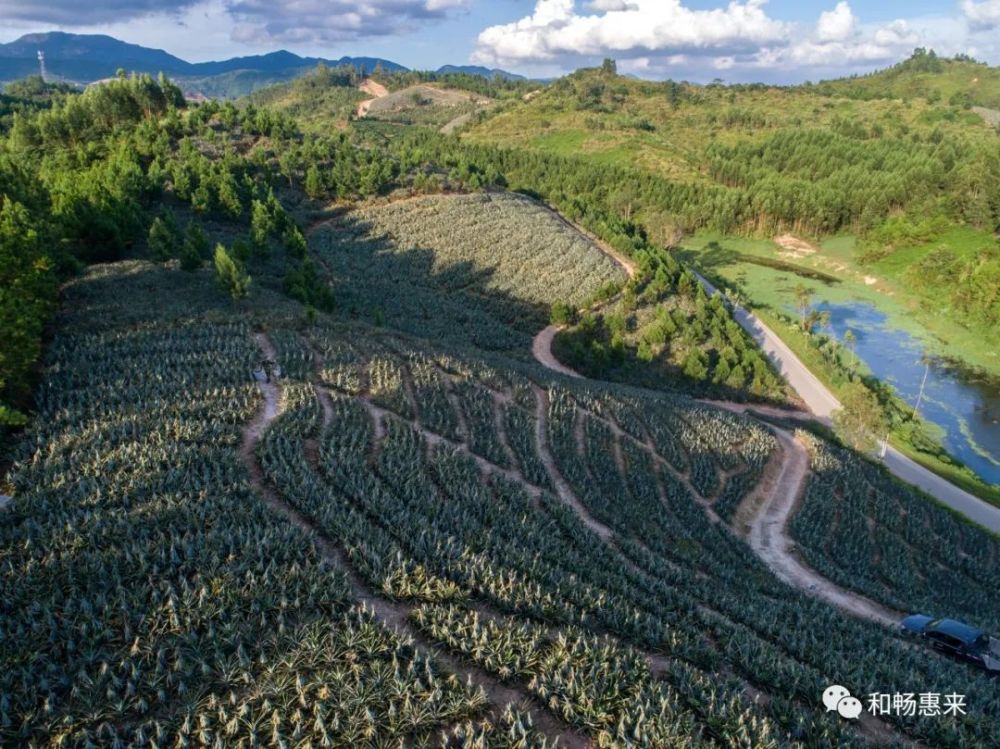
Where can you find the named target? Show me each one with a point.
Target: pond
(964, 406)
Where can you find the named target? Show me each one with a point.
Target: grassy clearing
(427, 105)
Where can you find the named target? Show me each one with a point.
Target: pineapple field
(407, 543)
(481, 269)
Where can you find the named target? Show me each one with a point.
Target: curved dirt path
(541, 346)
(391, 614)
(789, 483)
(778, 497)
(768, 536)
(541, 349)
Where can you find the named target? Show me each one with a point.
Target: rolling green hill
(323, 98)
(283, 472)
(959, 82)
(896, 197)
(329, 97)
(681, 131)
(409, 534)
(897, 175)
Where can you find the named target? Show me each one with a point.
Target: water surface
(964, 406)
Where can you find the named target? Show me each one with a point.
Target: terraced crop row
(148, 598)
(668, 582)
(558, 542)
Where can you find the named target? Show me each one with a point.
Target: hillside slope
(310, 488)
(961, 81)
(499, 542)
(475, 268)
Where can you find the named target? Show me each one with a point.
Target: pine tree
(314, 183)
(196, 243)
(230, 275)
(164, 236)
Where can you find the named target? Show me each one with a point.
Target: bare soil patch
(794, 246)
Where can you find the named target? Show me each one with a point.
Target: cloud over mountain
(258, 21)
(658, 36)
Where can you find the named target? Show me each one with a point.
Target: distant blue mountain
(85, 58)
(480, 71)
(82, 58)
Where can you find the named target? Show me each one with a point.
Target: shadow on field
(376, 280)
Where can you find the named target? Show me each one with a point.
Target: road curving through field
(768, 535)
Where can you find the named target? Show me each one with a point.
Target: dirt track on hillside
(391, 614)
(779, 496)
(774, 508)
(377, 91)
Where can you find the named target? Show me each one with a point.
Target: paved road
(823, 403)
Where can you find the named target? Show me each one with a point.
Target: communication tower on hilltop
(41, 66)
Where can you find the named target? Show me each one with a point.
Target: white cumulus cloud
(840, 42)
(666, 38)
(628, 29)
(836, 25)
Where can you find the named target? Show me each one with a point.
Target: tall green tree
(27, 298)
(861, 421)
(231, 277)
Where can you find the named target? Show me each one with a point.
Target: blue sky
(780, 40)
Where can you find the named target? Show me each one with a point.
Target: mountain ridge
(85, 58)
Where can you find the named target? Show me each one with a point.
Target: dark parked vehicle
(956, 639)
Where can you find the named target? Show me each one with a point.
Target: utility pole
(41, 66)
